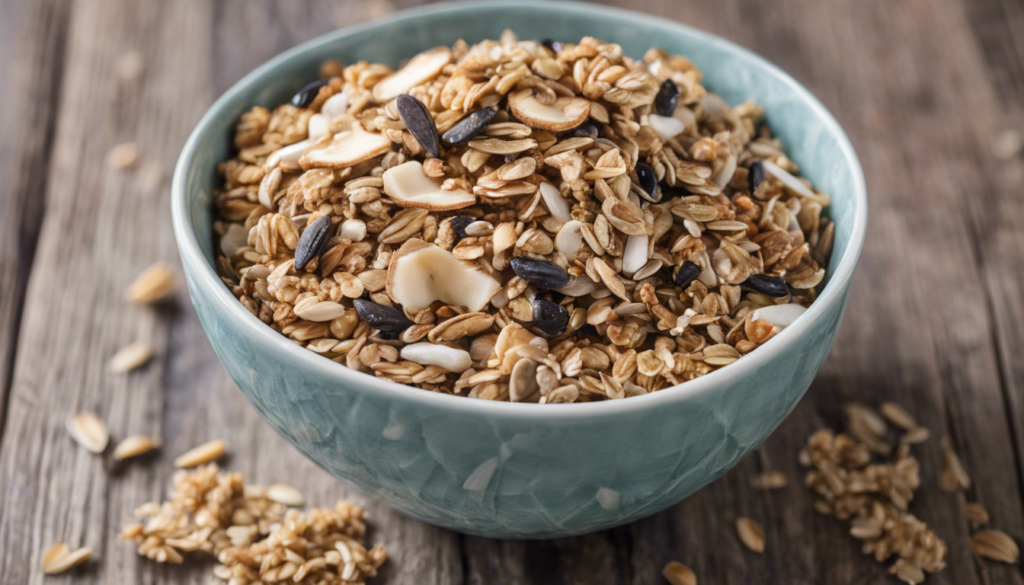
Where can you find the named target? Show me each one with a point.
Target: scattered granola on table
(520, 220)
(256, 538)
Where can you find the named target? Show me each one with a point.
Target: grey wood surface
(935, 320)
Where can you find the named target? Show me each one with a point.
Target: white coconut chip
(347, 149)
(554, 201)
(420, 69)
(421, 273)
(318, 125)
(634, 256)
(780, 315)
(791, 182)
(666, 127)
(564, 114)
(291, 153)
(353, 229)
(335, 106)
(234, 239)
(569, 238)
(442, 356)
(409, 186)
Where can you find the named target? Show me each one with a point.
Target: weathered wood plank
(32, 37)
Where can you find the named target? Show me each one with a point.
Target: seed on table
(307, 94)
(204, 453)
(687, 272)
(755, 175)
(388, 319)
(667, 98)
(549, 317)
(677, 573)
(995, 545)
(771, 286)
(459, 224)
(648, 181)
(419, 122)
(751, 534)
(540, 273)
(311, 241)
(468, 127)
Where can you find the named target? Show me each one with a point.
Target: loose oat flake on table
(517, 220)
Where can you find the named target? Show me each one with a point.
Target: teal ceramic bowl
(521, 470)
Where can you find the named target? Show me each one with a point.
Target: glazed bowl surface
(521, 470)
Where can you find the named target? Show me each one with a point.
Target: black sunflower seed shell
(587, 128)
(305, 96)
(554, 46)
(667, 98)
(468, 127)
(387, 319)
(648, 181)
(540, 273)
(312, 240)
(772, 286)
(687, 272)
(755, 175)
(419, 122)
(459, 224)
(550, 317)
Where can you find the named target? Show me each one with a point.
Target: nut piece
(421, 273)
(420, 69)
(442, 356)
(409, 186)
(347, 149)
(564, 114)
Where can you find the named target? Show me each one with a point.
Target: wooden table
(930, 92)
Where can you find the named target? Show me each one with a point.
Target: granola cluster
(520, 220)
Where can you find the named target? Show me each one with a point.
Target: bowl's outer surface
(522, 471)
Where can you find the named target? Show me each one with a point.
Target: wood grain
(934, 322)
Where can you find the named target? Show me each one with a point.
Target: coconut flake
(569, 238)
(353, 229)
(420, 69)
(634, 256)
(421, 273)
(335, 106)
(780, 315)
(291, 153)
(409, 186)
(564, 114)
(578, 287)
(791, 182)
(666, 127)
(235, 238)
(554, 201)
(442, 356)
(347, 149)
(318, 125)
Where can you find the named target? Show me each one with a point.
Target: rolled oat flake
(540, 273)
(550, 317)
(468, 127)
(312, 241)
(420, 123)
(307, 94)
(387, 319)
(772, 286)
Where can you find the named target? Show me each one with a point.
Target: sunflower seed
(384, 318)
(540, 273)
(975, 513)
(312, 240)
(771, 286)
(307, 94)
(898, 416)
(60, 558)
(995, 545)
(130, 357)
(666, 99)
(755, 175)
(134, 446)
(204, 453)
(687, 272)
(679, 574)
(751, 534)
(648, 181)
(549, 317)
(468, 127)
(418, 121)
(89, 431)
(285, 494)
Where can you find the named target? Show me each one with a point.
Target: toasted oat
(205, 453)
(123, 156)
(59, 558)
(995, 545)
(751, 534)
(898, 416)
(153, 284)
(89, 431)
(975, 513)
(770, 480)
(677, 573)
(135, 446)
(546, 187)
(953, 476)
(130, 357)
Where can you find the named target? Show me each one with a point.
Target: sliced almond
(409, 186)
(420, 69)
(204, 453)
(420, 273)
(564, 114)
(346, 149)
(134, 446)
(89, 431)
(442, 356)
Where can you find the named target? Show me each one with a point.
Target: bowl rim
(205, 277)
